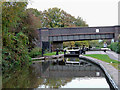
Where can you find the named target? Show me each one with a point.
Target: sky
(94, 12)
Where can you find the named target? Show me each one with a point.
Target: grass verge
(105, 58)
(53, 53)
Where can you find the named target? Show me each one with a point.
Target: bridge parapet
(62, 31)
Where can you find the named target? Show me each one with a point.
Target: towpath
(114, 73)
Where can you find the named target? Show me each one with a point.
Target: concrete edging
(108, 77)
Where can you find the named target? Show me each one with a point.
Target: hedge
(115, 47)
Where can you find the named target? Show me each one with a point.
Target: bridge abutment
(116, 34)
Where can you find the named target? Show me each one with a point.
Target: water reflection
(86, 82)
(58, 74)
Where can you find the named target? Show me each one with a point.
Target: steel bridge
(58, 35)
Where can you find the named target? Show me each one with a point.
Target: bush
(96, 43)
(69, 44)
(81, 43)
(115, 47)
(118, 44)
(35, 52)
(15, 51)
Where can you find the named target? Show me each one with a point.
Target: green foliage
(79, 22)
(34, 12)
(95, 43)
(15, 52)
(69, 44)
(72, 43)
(15, 43)
(55, 17)
(66, 44)
(35, 52)
(118, 49)
(81, 43)
(16, 18)
(115, 47)
(28, 25)
(75, 44)
(11, 15)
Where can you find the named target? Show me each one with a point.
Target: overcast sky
(94, 12)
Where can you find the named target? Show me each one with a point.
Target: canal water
(64, 73)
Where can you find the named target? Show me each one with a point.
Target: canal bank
(111, 54)
(114, 74)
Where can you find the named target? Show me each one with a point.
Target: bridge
(57, 36)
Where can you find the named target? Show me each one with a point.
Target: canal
(69, 72)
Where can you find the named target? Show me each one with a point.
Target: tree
(69, 44)
(15, 45)
(81, 43)
(11, 15)
(55, 17)
(29, 25)
(79, 22)
(72, 43)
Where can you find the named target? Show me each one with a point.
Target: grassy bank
(52, 53)
(105, 58)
